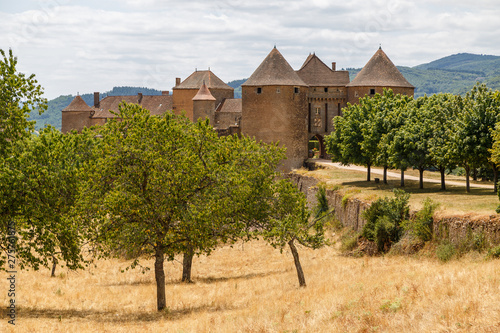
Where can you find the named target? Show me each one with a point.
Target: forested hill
(454, 74)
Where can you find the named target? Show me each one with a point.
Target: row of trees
(440, 131)
(141, 186)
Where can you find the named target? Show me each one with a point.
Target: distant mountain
(236, 84)
(455, 74)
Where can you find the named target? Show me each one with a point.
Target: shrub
(349, 240)
(474, 241)
(384, 219)
(494, 252)
(322, 205)
(421, 226)
(345, 199)
(445, 251)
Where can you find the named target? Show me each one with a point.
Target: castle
(278, 103)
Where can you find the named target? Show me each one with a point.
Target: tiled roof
(77, 104)
(155, 104)
(380, 72)
(274, 71)
(314, 72)
(230, 105)
(195, 80)
(203, 94)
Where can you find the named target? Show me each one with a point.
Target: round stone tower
(76, 115)
(275, 108)
(378, 73)
(183, 92)
(204, 104)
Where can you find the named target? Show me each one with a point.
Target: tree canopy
(165, 185)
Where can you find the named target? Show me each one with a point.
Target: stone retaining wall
(454, 228)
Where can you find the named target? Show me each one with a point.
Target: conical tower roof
(77, 104)
(204, 94)
(380, 72)
(195, 81)
(274, 71)
(314, 72)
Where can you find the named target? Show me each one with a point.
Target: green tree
(391, 151)
(472, 138)
(441, 110)
(162, 185)
(410, 144)
(19, 94)
(379, 124)
(289, 221)
(40, 183)
(344, 144)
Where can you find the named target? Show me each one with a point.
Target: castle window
(326, 89)
(296, 90)
(259, 90)
(318, 110)
(278, 90)
(372, 91)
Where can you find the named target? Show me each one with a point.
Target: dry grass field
(253, 288)
(453, 201)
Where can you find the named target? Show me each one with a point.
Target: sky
(82, 46)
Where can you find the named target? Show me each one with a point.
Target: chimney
(177, 81)
(165, 93)
(334, 66)
(139, 96)
(96, 100)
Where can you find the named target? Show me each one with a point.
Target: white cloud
(77, 45)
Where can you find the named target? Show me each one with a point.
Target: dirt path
(328, 163)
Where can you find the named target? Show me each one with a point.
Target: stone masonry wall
(454, 228)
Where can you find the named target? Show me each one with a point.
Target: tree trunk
(495, 177)
(160, 278)
(54, 264)
(474, 174)
(187, 263)
(402, 178)
(385, 174)
(368, 174)
(443, 185)
(421, 178)
(300, 273)
(467, 181)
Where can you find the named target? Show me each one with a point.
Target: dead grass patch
(254, 288)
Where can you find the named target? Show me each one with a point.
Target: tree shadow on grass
(117, 317)
(212, 279)
(412, 186)
(206, 279)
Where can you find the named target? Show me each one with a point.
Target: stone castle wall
(355, 93)
(277, 113)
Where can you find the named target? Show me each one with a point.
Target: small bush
(445, 251)
(345, 199)
(421, 227)
(349, 241)
(322, 205)
(494, 252)
(384, 219)
(474, 241)
(334, 223)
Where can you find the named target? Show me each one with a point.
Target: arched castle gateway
(277, 104)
